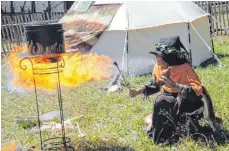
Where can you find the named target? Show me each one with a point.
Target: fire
(10, 147)
(78, 69)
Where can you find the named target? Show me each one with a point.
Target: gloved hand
(149, 90)
(133, 93)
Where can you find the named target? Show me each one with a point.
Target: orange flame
(78, 69)
(10, 147)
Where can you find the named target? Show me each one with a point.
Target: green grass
(110, 121)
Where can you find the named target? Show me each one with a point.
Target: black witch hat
(170, 51)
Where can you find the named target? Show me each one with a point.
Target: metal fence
(12, 27)
(219, 11)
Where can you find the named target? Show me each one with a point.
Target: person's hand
(132, 93)
(168, 82)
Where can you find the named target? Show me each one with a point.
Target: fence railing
(219, 11)
(12, 27)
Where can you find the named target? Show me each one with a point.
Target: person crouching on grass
(175, 78)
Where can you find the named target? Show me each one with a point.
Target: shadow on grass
(212, 138)
(100, 146)
(205, 137)
(213, 61)
(223, 55)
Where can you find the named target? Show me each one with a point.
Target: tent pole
(189, 40)
(211, 33)
(127, 39)
(124, 51)
(127, 52)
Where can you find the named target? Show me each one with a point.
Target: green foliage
(28, 123)
(110, 120)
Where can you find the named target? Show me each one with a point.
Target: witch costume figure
(181, 91)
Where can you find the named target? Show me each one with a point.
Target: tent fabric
(146, 23)
(150, 14)
(200, 51)
(82, 29)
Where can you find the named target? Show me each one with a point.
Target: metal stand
(54, 143)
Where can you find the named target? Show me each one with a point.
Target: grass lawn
(110, 121)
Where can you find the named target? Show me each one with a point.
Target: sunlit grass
(110, 121)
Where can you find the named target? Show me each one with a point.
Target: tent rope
(209, 48)
(221, 64)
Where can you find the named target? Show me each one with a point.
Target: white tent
(147, 22)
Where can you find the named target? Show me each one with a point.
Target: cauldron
(45, 39)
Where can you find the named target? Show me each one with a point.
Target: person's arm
(186, 91)
(150, 88)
